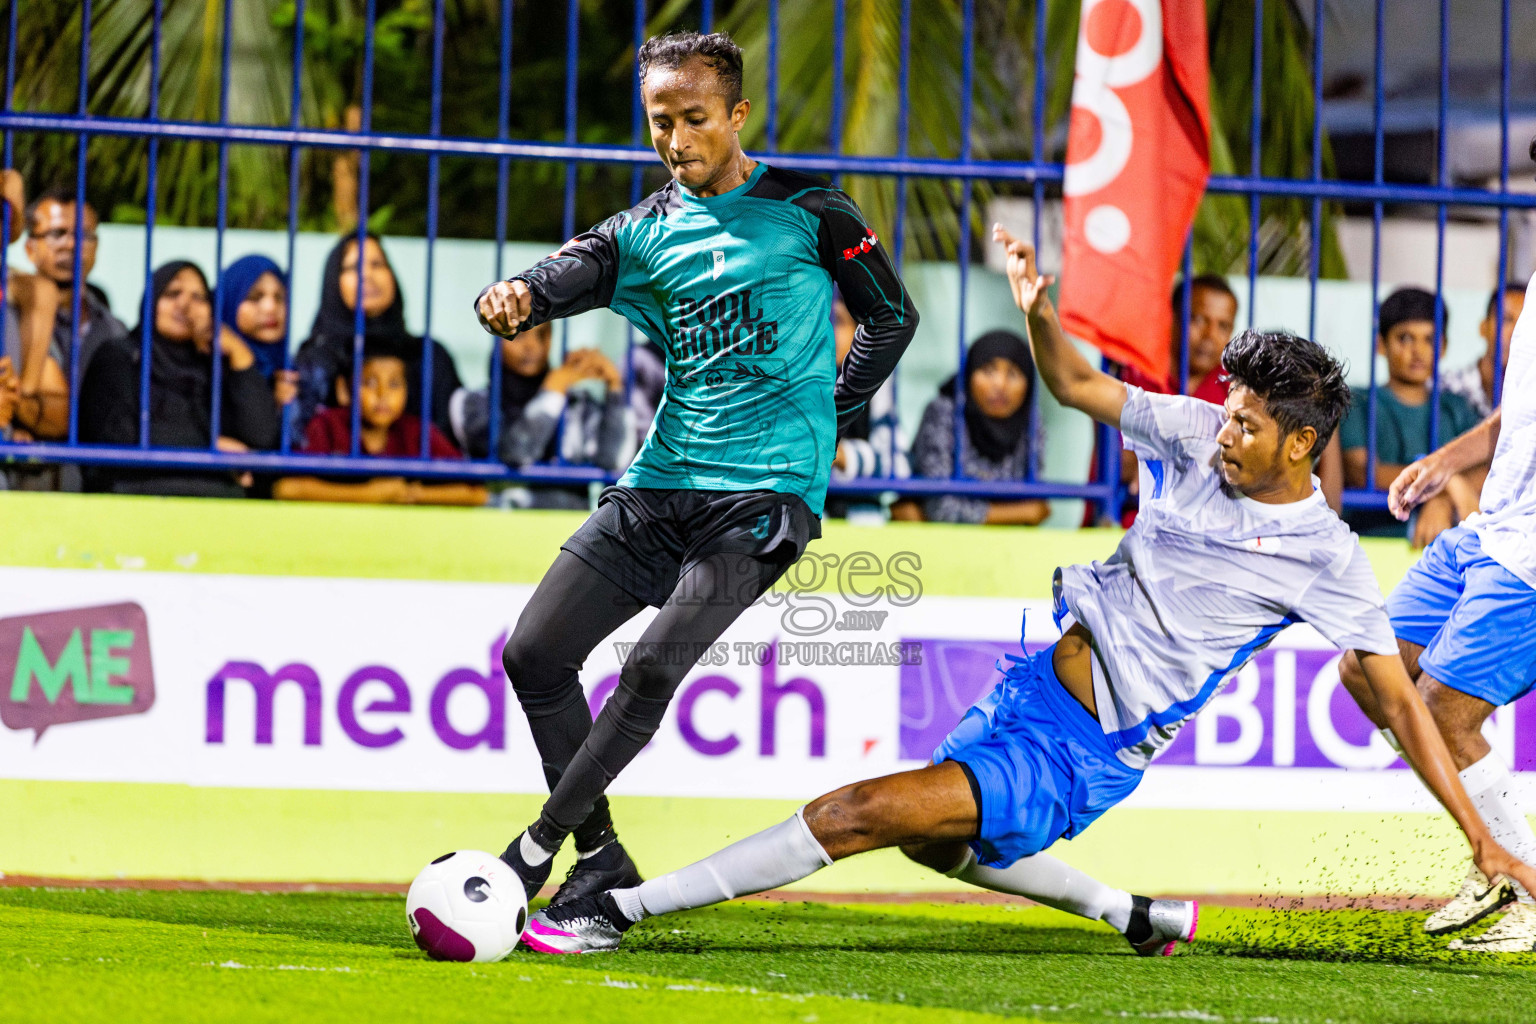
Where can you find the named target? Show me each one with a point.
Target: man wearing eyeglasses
(51, 248)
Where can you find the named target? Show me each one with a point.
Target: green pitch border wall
(103, 830)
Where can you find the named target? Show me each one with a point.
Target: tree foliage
(332, 87)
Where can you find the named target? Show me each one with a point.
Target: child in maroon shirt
(386, 431)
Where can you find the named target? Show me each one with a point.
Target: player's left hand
(1417, 483)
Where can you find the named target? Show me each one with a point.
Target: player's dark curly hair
(717, 50)
(1300, 383)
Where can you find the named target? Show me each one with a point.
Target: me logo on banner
(76, 665)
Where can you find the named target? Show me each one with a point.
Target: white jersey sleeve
(1167, 426)
(1343, 603)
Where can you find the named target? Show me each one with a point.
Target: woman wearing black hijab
(180, 391)
(328, 351)
(996, 444)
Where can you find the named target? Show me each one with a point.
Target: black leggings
(574, 608)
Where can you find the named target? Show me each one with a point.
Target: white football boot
(1516, 933)
(1475, 900)
(1170, 921)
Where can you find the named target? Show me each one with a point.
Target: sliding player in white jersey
(1232, 544)
(1465, 619)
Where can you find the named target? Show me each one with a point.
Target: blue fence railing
(1039, 178)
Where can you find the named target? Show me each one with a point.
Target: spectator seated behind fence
(328, 351)
(51, 247)
(575, 412)
(1212, 318)
(1475, 383)
(182, 344)
(873, 444)
(32, 309)
(12, 353)
(253, 302)
(387, 430)
(1406, 337)
(995, 443)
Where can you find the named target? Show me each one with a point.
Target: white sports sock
(1492, 789)
(629, 902)
(785, 853)
(1047, 880)
(533, 853)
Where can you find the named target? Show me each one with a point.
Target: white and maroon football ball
(467, 906)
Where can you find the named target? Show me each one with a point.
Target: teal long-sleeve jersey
(737, 291)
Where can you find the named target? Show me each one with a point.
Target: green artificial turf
(221, 956)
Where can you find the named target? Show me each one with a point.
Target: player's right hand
(1024, 276)
(1417, 483)
(505, 306)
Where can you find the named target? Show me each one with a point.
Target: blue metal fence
(1042, 176)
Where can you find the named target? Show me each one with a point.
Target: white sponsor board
(292, 682)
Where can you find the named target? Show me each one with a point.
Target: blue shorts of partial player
(1039, 765)
(1474, 618)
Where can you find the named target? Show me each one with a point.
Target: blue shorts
(1042, 766)
(1474, 618)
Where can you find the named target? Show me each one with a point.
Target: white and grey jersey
(1205, 579)
(1506, 523)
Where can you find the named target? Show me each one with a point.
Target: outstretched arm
(1075, 383)
(1412, 724)
(580, 276)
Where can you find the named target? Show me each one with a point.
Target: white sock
(532, 852)
(593, 853)
(629, 902)
(1047, 880)
(1492, 789)
(785, 853)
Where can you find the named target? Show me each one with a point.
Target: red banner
(1138, 156)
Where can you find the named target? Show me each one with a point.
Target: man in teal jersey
(730, 269)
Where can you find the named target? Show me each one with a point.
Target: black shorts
(644, 539)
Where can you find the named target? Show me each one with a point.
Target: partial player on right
(1465, 620)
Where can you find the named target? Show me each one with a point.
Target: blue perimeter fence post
(295, 105)
(370, 22)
